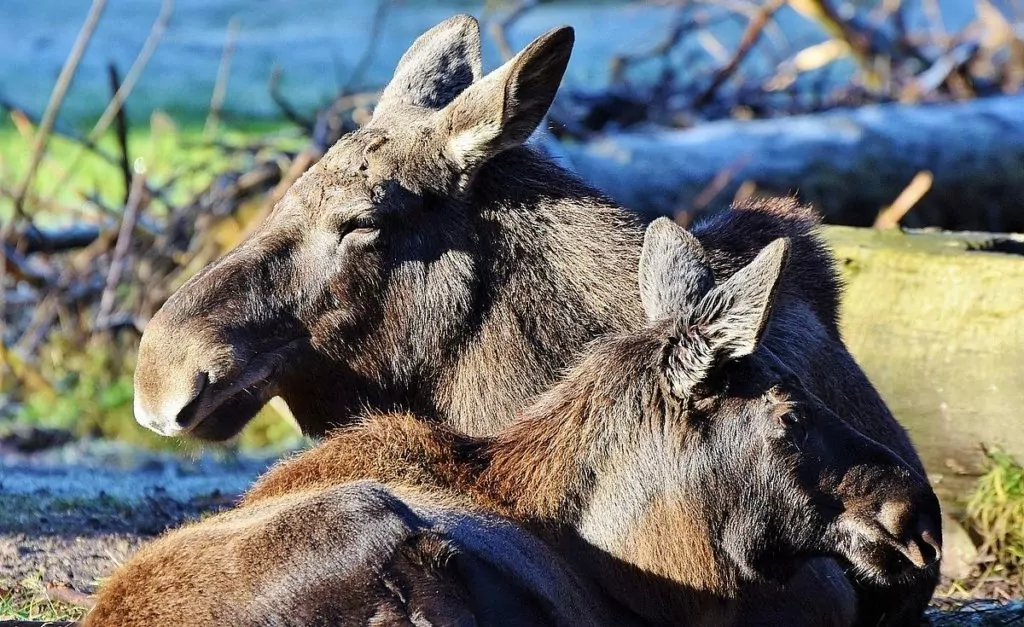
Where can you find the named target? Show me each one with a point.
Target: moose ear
(438, 66)
(744, 302)
(727, 323)
(502, 109)
(674, 270)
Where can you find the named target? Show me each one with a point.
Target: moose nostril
(931, 547)
(924, 548)
(188, 412)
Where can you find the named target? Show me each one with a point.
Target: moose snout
(166, 406)
(914, 525)
(173, 414)
(175, 367)
(894, 527)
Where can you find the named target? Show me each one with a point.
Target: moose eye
(362, 225)
(792, 425)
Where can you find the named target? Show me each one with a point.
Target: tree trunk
(849, 163)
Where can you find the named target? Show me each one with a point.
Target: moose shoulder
(674, 469)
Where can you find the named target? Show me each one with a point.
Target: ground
(71, 514)
(65, 525)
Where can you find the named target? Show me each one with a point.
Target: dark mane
(732, 239)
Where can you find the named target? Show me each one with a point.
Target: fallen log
(849, 163)
(937, 322)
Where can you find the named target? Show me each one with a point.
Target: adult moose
(427, 262)
(430, 262)
(672, 467)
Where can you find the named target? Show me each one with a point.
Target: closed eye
(793, 427)
(359, 225)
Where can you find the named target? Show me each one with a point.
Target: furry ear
(744, 302)
(727, 323)
(674, 270)
(502, 109)
(439, 65)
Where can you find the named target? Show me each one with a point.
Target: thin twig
(719, 182)
(156, 33)
(110, 113)
(220, 88)
(273, 84)
(380, 14)
(499, 27)
(57, 97)
(302, 162)
(682, 25)
(136, 199)
(889, 217)
(750, 37)
(122, 134)
(39, 148)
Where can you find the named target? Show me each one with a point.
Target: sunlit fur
(475, 288)
(653, 501)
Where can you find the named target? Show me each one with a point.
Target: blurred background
(141, 139)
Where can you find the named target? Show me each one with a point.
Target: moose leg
(350, 555)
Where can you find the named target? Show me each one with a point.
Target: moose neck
(559, 268)
(596, 483)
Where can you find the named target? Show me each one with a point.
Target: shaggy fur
(428, 262)
(675, 473)
(425, 265)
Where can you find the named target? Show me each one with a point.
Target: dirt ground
(70, 516)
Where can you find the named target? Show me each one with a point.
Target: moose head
(429, 261)
(713, 440)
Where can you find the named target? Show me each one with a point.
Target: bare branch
(682, 25)
(380, 15)
(114, 107)
(220, 88)
(286, 108)
(750, 37)
(122, 134)
(56, 98)
(136, 201)
(499, 28)
(889, 217)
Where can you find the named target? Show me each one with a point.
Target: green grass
(166, 150)
(995, 511)
(29, 600)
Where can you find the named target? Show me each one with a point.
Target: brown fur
(398, 275)
(675, 501)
